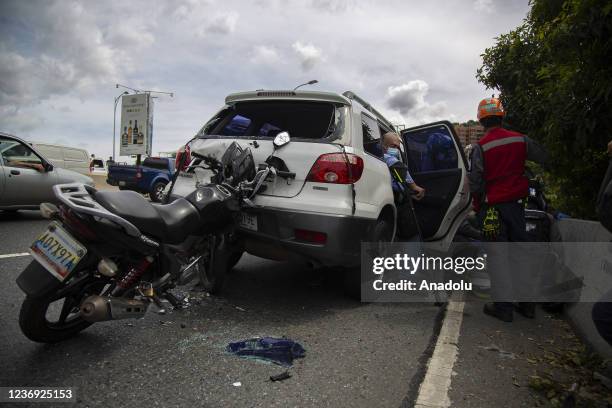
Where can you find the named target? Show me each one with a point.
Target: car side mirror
(281, 139)
(48, 167)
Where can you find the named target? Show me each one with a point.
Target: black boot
(527, 309)
(497, 310)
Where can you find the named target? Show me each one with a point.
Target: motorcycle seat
(181, 218)
(170, 223)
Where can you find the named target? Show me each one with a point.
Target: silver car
(27, 177)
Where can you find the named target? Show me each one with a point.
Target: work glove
(491, 224)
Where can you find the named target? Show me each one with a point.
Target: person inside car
(402, 183)
(399, 172)
(19, 156)
(27, 165)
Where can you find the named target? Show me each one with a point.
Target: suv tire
(382, 232)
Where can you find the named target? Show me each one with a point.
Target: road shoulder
(527, 363)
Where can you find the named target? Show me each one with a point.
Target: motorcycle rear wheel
(33, 316)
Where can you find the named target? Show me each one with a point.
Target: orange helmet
(490, 107)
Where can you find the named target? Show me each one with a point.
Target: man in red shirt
(497, 178)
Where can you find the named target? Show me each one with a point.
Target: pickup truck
(149, 178)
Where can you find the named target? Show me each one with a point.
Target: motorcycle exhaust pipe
(98, 309)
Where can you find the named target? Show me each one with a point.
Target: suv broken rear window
(265, 119)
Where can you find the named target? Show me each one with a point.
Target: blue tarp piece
(279, 351)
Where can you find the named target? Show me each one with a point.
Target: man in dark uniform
(497, 178)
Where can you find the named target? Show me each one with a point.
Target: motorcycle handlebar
(280, 173)
(246, 190)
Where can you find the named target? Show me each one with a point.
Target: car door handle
(15, 172)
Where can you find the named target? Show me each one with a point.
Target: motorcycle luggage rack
(79, 197)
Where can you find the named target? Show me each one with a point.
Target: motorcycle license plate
(248, 221)
(57, 251)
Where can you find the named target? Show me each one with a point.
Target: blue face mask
(394, 151)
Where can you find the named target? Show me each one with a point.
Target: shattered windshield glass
(304, 120)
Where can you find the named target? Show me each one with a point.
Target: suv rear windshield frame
(339, 122)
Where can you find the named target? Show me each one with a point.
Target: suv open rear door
(437, 163)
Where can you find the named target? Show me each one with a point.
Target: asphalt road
(358, 355)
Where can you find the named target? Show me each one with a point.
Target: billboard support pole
(115, 120)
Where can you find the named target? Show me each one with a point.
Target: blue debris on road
(279, 351)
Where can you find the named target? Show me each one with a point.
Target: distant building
(469, 132)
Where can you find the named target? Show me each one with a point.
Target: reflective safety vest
(504, 154)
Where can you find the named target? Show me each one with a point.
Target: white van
(70, 158)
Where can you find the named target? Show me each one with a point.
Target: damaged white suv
(341, 194)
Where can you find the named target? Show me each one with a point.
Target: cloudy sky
(60, 60)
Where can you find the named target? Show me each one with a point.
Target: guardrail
(579, 314)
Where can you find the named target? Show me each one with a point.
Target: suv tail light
(336, 168)
(182, 155)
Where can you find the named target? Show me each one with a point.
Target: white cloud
(264, 55)
(67, 53)
(71, 53)
(183, 9)
(79, 43)
(309, 54)
(484, 6)
(223, 24)
(17, 122)
(407, 97)
(409, 100)
(335, 6)
(27, 80)
(135, 36)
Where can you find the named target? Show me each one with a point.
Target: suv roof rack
(365, 104)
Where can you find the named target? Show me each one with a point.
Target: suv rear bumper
(275, 236)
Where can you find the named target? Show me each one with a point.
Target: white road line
(14, 255)
(433, 392)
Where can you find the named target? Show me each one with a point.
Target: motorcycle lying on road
(109, 255)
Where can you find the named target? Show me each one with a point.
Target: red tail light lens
(183, 151)
(75, 224)
(336, 168)
(314, 237)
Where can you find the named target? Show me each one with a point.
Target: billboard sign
(136, 125)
